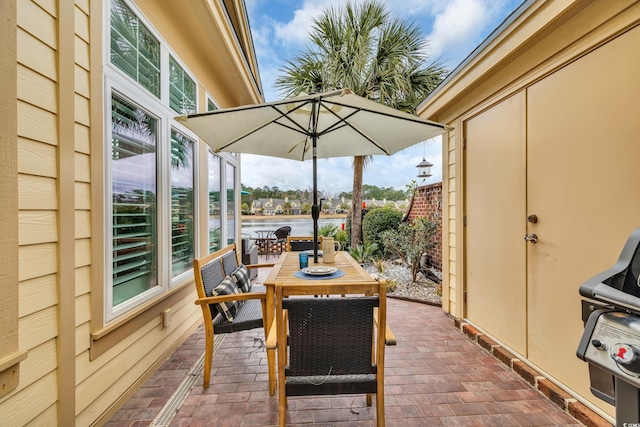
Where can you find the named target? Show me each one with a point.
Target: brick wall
(427, 202)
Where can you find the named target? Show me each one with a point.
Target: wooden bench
(229, 304)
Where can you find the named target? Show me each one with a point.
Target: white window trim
(116, 81)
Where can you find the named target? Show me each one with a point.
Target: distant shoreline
(277, 217)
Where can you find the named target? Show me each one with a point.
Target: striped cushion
(241, 277)
(228, 309)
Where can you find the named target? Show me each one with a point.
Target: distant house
(276, 206)
(106, 199)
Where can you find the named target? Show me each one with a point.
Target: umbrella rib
(415, 119)
(345, 123)
(265, 125)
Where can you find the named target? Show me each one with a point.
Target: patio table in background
(264, 240)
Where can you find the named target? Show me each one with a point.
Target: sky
(452, 28)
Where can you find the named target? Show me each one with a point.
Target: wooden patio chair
(229, 304)
(333, 345)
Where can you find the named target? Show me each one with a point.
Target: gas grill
(610, 343)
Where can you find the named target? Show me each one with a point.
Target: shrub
(377, 221)
(342, 237)
(410, 241)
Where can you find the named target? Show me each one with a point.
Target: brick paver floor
(435, 376)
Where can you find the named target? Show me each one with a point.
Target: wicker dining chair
(334, 346)
(302, 243)
(281, 235)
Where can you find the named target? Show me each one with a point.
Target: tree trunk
(356, 211)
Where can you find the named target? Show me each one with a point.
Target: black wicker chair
(281, 237)
(301, 243)
(332, 347)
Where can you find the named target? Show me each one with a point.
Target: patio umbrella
(323, 125)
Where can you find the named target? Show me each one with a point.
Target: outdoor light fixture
(424, 169)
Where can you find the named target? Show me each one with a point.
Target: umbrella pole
(315, 209)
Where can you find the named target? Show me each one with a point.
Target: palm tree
(380, 57)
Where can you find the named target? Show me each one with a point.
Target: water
(299, 226)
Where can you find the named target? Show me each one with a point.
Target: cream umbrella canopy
(323, 125)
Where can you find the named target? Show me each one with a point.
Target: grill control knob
(626, 356)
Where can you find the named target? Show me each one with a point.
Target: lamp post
(424, 169)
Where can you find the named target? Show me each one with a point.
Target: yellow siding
(83, 224)
(37, 260)
(35, 192)
(82, 110)
(37, 227)
(81, 78)
(36, 123)
(82, 139)
(83, 280)
(29, 402)
(44, 418)
(83, 309)
(36, 55)
(37, 21)
(41, 362)
(83, 252)
(83, 196)
(36, 158)
(83, 167)
(82, 24)
(36, 89)
(83, 5)
(128, 363)
(82, 53)
(49, 5)
(83, 340)
(37, 328)
(37, 294)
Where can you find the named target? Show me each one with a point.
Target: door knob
(532, 218)
(531, 238)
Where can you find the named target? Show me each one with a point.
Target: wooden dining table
(354, 281)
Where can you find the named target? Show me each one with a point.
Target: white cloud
(459, 26)
(452, 27)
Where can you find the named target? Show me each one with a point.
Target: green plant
(378, 220)
(328, 230)
(342, 237)
(391, 285)
(363, 253)
(379, 264)
(410, 241)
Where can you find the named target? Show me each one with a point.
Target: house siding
(538, 48)
(59, 177)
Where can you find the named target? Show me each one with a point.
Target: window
(134, 49)
(231, 203)
(182, 90)
(134, 192)
(182, 205)
(210, 105)
(151, 160)
(215, 235)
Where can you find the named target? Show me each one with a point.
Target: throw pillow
(228, 309)
(241, 277)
